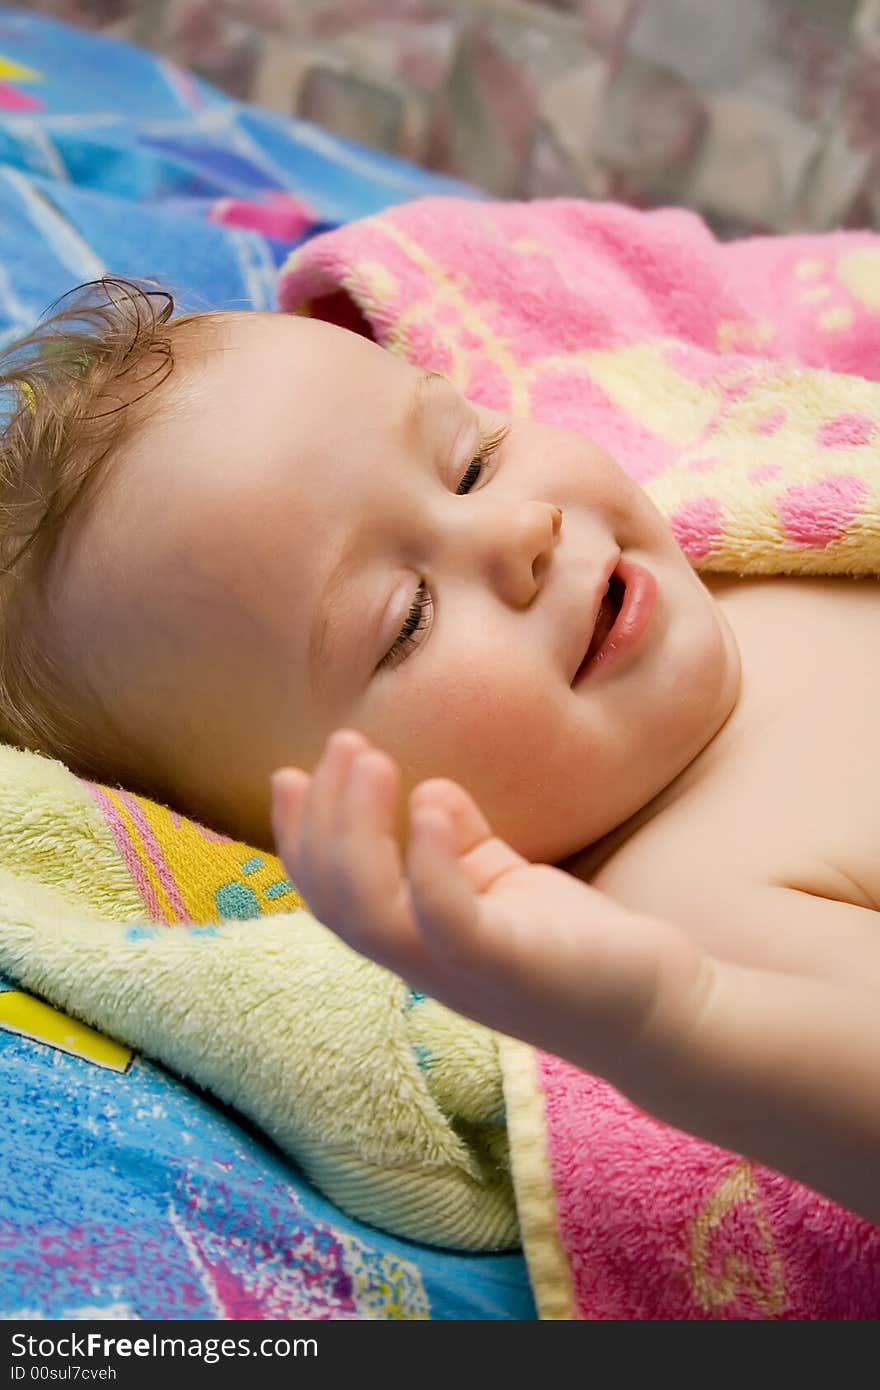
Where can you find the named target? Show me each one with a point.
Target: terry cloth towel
(737, 383)
(196, 950)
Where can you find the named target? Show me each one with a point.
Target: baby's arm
(782, 1068)
(778, 1067)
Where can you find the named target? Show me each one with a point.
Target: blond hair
(73, 391)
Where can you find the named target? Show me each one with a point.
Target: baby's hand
(524, 948)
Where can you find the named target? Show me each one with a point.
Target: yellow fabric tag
(21, 1013)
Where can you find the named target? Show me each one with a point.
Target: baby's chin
(713, 689)
(729, 665)
(714, 683)
(684, 745)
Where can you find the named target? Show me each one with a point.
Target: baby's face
(250, 582)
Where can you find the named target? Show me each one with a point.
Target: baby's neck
(586, 862)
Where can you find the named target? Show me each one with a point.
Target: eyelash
(422, 605)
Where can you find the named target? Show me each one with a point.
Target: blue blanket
(114, 160)
(123, 1192)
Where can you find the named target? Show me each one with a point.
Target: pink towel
(738, 384)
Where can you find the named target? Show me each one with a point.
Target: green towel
(197, 951)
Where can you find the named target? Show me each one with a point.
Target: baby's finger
(468, 820)
(444, 903)
(288, 790)
(320, 814)
(370, 794)
(372, 896)
(314, 832)
(482, 856)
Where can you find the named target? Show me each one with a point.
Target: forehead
(260, 409)
(260, 384)
(315, 352)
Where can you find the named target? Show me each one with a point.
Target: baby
(471, 649)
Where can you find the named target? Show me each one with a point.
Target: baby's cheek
(495, 725)
(513, 736)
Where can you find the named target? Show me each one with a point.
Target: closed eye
(423, 603)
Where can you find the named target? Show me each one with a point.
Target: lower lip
(633, 620)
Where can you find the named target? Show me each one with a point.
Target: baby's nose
(527, 559)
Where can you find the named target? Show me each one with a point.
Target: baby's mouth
(609, 608)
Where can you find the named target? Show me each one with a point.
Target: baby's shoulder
(748, 890)
(673, 864)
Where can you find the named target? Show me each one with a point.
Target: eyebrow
(322, 627)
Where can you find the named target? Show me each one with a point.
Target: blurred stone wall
(763, 115)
